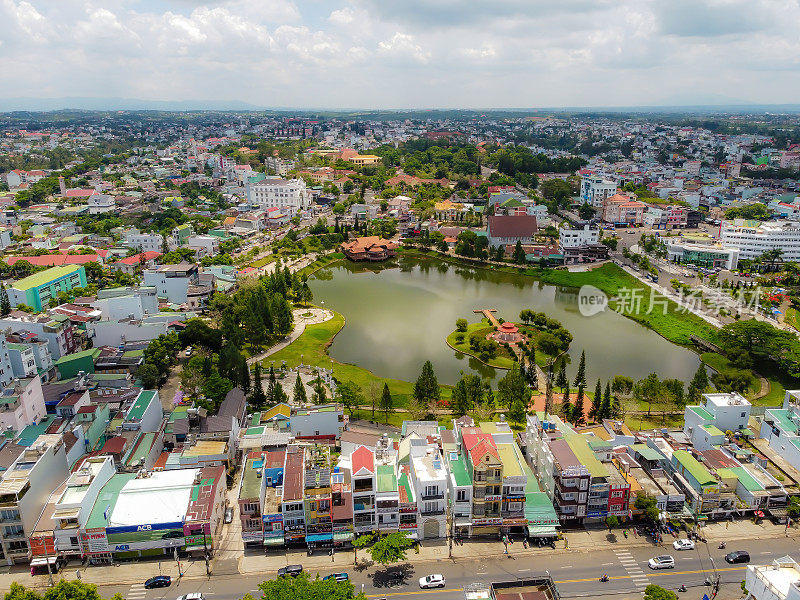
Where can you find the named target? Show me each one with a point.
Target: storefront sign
(492, 521)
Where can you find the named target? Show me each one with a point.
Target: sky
(384, 54)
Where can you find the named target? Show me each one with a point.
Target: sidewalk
(580, 541)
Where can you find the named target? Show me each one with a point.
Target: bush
(461, 325)
(459, 337)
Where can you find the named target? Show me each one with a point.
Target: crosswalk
(632, 568)
(137, 592)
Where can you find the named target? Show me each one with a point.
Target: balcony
(436, 496)
(430, 513)
(383, 510)
(360, 507)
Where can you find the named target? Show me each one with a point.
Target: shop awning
(274, 541)
(319, 537)
(342, 536)
(41, 562)
(542, 531)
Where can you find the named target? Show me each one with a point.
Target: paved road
(576, 574)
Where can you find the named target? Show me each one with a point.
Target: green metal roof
(782, 417)
(142, 402)
(251, 482)
(580, 447)
(387, 481)
(67, 358)
(459, 470)
(403, 483)
(713, 430)
(45, 277)
(694, 468)
(747, 480)
(539, 509)
(701, 412)
(647, 452)
(141, 449)
(107, 500)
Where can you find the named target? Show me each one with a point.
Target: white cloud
(399, 54)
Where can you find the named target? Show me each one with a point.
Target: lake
(399, 313)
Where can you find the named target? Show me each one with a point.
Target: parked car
(337, 576)
(737, 556)
(228, 515)
(290, 570)
(432, 581)
(158, 581)
(192, 596)
(661, 562)
(683, 545)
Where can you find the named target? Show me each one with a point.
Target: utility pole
(47, 559)
(205, 552)
(449, 530)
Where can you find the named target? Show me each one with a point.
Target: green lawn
(777, 384)
(312, 346)
(793, 318)
(503, 359)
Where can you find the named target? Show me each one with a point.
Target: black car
(158, 581)
(738, 556)
(290, 570)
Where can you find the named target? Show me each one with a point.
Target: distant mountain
(78, 103)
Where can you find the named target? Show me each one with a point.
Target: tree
(513, 389)
(578, 417)
(549, 344)
(596, 411)
(561, 379)
(697, 385)
(320, 396)
(519, 254)
(300, 396)
(611, 522)
(272, 381)
(302, 586)
(374, 393)
(647, 504)
(149, 375)
(216, 388)
(259, 399)
(5, 305)
(386, 402)
(390, 548)
(566, 406)
(362, 541)
(580, 376)
(622, 385)
(606, 410)
(63, 590)
(426, 389)
(461, 325)
(650, 390)
(348, 393)
(656, 592)
(548, 395)
(675, 389)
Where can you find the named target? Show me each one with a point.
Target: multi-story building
(752, 239)
(595, 189)
(341, 508)
(665, 217)
(778, 581)
(41, 289)
(180, 235)
(363, 485)
(719, 413)
(317, 496)
(179, 283)
(429, 477)
(101, 203)
(781, 428)
(569, 237)
(23, 359)
(294, 524)
(24, 490)
(144, 242)
(485, 470)
(290, 195)
(407, 503)
(57, 333)
(702, 255)
(702, 489)
(571, 479)
(6, 365)
(387, 499)
(22, 404)
(319, 423)
(459, 490)
(623, 210)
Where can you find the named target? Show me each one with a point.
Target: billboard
(145, 537)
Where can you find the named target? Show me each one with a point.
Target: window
(461, 496)
(514, 506)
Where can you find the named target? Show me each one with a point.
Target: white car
(683, 545)
(661, 562)
(192, 596)
(431, 581)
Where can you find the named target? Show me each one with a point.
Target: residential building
(317, 496)
(700, 486)
(180, 235)
(706, 425)
(144, 242)
(370, 248)
(24, 491)
(665, 217)
(581, 244)
(290, 195)
(623, 210)
(778, 581)
(22, 404)
(57, 333)
(101, 203)
(781, 428)
(6, 366)
(429, 478)
(363, 485)
(294, 525)
(319, 423)
(204, 245)
(179, 284)
(595, 189)
(41, 289)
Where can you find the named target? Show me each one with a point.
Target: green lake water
(398, 315)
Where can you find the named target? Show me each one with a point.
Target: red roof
(54, 260)
(363, 458)
(115, 445)
(508, 327)
(478, 445)
(80, 193)
(89, 408)
(137, 258)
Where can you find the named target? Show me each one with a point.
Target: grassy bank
(777, 384)
(312, 348)
(673, 324)
(503, 359)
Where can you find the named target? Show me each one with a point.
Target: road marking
(669, 572)
(567, 567)
(439, 591)
(522, 570)
(768, 552)
(606, 564)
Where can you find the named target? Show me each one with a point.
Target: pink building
(623, 210)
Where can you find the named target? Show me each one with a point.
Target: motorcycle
(682, 588)
(722, 545)
(604, 578)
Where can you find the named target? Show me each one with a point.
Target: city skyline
(365, 54)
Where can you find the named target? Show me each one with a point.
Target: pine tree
(596, 412)
(259, 398)
(271, 384)
(578, 417)
(426, 389)
(386, 403)
(320, 396)
(566, 406)
(519, 254)
(299, 391)
(580, 377)
(606, 409)
(548, 397)
(561, 379)
(278, 395)
(697, 385)
(5, 305)
(244, 375)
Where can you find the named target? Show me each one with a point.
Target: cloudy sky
(404, 53)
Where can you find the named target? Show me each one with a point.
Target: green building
(70, 365)
(40, 288)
